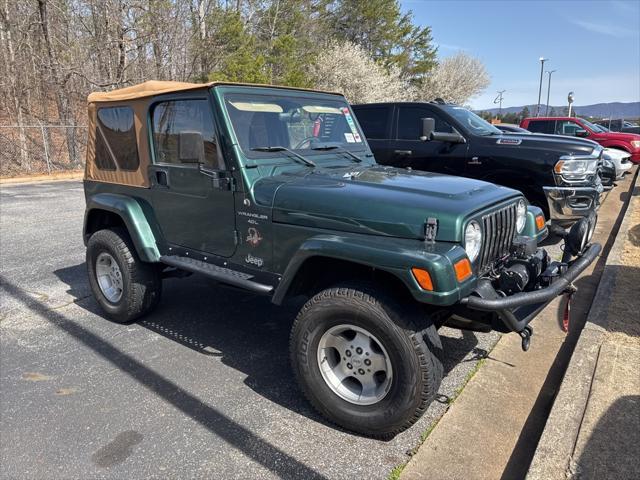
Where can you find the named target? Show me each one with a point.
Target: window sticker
(349, 138)
(352, 125)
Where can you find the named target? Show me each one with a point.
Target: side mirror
(581, 133)
(428, 126)
(190, 147)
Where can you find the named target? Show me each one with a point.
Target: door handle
(403, 153)
(161, 178)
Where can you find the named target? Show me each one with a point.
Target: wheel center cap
(357, 362)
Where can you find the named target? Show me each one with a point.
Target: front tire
(365, 360)
(125, 287)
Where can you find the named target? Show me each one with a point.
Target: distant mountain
(601, 110)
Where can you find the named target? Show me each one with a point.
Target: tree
(525, 113)
(385, 33)
(347, 68)
(456, 79)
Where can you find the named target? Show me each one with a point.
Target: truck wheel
(124, 286)
(362, 361)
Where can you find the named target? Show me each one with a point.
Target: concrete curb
(54, 177)
(556, 446)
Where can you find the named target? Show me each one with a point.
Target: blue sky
(593, 44)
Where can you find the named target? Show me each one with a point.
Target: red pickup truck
(578, 127)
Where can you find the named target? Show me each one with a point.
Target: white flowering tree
(456, 79)
(347, 68)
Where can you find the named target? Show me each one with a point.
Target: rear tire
(125, 287)
(403, 387)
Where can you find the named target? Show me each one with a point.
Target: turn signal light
(463, 269)
(423, 278)
(558, 167)
(540, 222)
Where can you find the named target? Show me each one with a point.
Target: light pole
(499, 100)
(546, 113)
(570, 100)
(542, 60)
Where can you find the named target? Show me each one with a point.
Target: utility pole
(542, 60)
(499, 100)
(546, 113)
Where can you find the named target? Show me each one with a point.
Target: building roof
(157, 87)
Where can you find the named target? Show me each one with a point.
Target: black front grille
(499, 230)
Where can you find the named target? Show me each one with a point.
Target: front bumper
(515, 311)
(572, 203)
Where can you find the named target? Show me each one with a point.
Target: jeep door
(431, 156)
(191, 185)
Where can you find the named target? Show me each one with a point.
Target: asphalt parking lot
(200, 388)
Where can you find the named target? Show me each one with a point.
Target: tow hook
(569, 292)
(526, 335)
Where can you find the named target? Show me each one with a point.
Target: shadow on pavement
(246, 331)
(254, 447)
(612, 449)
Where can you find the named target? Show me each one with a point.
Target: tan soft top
(138, 98)
(146, 89)
(158, 87)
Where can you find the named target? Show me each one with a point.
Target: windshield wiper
(338, 147)
(295, 155)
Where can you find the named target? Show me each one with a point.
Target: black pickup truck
(559, 174)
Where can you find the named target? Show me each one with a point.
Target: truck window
(542, 126)
(173, 117)
(374, 120)
(410, 122)
(567, 127)
(116, 139)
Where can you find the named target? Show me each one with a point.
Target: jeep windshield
(472, 122)
(303, 125)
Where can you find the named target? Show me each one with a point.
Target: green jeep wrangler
(275, 191)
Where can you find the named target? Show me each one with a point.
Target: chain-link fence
(41, 149)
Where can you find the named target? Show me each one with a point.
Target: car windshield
(265, 125)
(471, 121)
(600, 128)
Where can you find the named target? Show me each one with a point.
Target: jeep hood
(377, 200)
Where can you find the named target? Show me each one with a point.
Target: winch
(525, 264)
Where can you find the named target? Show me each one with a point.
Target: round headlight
(521, 215)
(472, 240)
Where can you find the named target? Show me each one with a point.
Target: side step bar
(220, 274)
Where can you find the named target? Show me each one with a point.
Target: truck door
(191, 185)
(431, 156)
(375, 121)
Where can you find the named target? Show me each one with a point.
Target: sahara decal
(253, 237)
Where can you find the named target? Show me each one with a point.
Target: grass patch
(397, 470)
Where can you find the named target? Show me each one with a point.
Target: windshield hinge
(430, 230)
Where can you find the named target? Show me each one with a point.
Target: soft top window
(116, 145)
